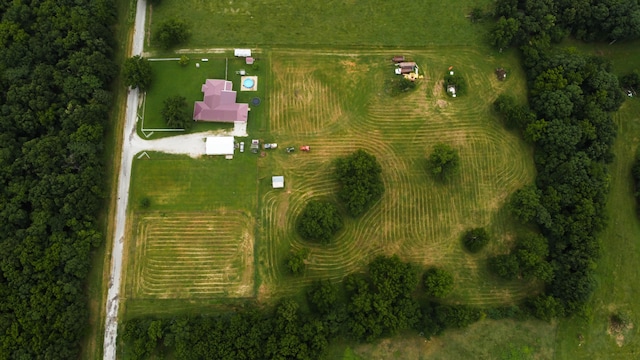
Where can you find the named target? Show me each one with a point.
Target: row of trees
(530, 21)
(56, 68)
(571, 98)
(381, 302)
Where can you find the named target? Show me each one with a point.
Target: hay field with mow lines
(337, 104)
(193, 255)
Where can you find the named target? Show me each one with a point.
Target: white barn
(219, 145)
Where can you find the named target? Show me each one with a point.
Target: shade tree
(360, 178)
(475, 239)
(319, 221)
(137, 72)
(444, 162)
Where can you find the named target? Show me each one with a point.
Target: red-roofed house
(219, 103)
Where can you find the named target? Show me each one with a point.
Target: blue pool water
(248, 83)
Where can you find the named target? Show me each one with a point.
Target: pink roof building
(219, 103)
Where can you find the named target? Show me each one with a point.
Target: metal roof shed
(219, 145)
(242, 52)
(277, 182)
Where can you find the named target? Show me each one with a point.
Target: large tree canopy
(176, 113)
(319, 221)
(359, 175)
(444, 161)
(137, 72)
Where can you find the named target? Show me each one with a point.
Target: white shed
(277, 182)
(242, 52)
(219, 145)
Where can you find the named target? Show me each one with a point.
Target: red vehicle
(304, 148)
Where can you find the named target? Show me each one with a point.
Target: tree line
(381, 302)
(568, 119)
(55, 69)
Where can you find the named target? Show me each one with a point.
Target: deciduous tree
(444, 162)
(137, 72)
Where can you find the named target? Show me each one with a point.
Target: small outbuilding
(219, 145)
(277, 182)
(397, 59)
(242, 52)
(249, 60)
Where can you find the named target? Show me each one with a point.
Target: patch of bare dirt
(619, 326)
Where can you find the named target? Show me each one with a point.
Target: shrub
(145, 202)
(438, 282)
(319, 221)
(475, 240)
(295, 262)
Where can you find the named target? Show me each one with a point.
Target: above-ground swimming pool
(248, 83)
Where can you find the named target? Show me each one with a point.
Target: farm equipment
(255, 146)
(305, 148)
(291, 149)
(270, 145)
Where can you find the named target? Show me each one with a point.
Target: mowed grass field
(216, 231)
(336, 102)
(321, 23)
(195, 241)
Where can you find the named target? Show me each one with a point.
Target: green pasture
(337, 104)
(619, 266)
(351, 23)
(172, 79)
(487, 339)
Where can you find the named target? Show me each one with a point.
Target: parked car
(242, 146)
(270, 145)
(255, 146)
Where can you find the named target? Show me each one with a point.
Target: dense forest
(55, 69)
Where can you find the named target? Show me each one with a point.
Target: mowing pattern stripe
(189, 255)
(417, 218)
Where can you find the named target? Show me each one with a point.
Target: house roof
(219, 145)
(277, 182)
(219, 103)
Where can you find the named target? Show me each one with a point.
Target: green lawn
(172, 79)
(332, 23)
(192, 247)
